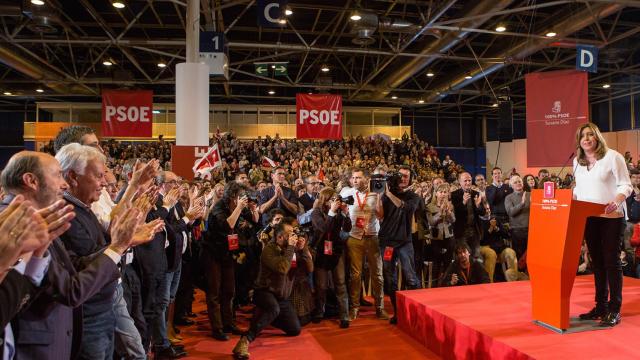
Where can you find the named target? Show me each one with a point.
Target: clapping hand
(57, 217)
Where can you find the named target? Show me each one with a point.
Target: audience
(116, 245)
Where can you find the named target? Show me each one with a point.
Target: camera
(302, 231)
(378, 182)
(346, 200)
(251, 198)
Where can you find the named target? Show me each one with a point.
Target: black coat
(150, 258)
(461, 214)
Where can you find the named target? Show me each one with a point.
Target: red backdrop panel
(183, 159)
(318, 116)
(557, 102)
(127, 113)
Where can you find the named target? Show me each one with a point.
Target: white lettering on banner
(133, 113)
(323, 117)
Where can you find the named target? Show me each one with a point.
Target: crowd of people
(102, 245)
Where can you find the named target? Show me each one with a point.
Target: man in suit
(496, 193)
(312, 185)
(51, 327)
(467, 205)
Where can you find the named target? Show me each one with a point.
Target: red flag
(209, 161)
(320, 175)
(266, 162)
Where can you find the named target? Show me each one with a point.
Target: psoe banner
(557, 102)
(318, 116)
(127, 113)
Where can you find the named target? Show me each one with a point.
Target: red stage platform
(493, 321)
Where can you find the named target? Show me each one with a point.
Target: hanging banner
(557, 102)
(208, 162)
(318, 116)
(127, 113)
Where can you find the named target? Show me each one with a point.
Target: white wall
(514, 154)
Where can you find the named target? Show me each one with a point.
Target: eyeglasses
(313, 183)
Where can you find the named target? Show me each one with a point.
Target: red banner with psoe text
(127, 113)
(318, 116)
(557, 102)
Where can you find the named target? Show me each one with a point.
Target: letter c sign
(270, 12)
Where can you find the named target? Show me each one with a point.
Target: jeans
(357, 249)
(322, 281)
(519, 239)
(132, 294)
(404, 255)
(97, 335)
(271, 311)
(174, 278)
(604, 240)
(127, 338)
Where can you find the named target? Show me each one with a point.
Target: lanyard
(466, 276)
(363, 203)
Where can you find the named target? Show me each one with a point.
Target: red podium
(556, 230)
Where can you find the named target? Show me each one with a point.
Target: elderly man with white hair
(517, 205)
(83, 168)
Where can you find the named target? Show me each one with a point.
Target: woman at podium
(602, 177)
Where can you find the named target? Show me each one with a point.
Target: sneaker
(353, 314)
(241, 350)
(382, 314)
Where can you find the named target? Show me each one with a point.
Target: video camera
(378, 182)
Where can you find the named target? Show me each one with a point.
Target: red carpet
(493, 321)
(366, 338)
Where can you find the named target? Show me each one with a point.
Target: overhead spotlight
(494, 105)
(107, 63)
(550, 34)
(162, 64)
(325, 68)
(310, 93)
(156, 112)
(430, 74)
(37, 2)
(8, 93)
(282, 21)
(468, 77)
(39, 90)
(355, 16)
(271, 92)
(118, 4)
(394, 97)
(501, 28)
(420, 101)
(273, 66)
(288, 11)
(606, 86)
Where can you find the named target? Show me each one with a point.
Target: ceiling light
(107, 63)
(118, 4)
(501, 28)
(606, 86)
(495, 105)
(156, 112)
(468, 77)
(39, 90)
(550, 34)
(273, 66)
(325, 68)
(8, 93)
(271, 92)
(394, 97)
(430, 74)
(420, 101)
(162, 64)
(355, 16)
(37, 2)
(288, 11)
(282, 21)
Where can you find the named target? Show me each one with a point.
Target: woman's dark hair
(525, 182)
(232, 190)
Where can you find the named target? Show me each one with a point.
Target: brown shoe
(241, 350)
(382, 314)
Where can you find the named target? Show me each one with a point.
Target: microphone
(565, 165)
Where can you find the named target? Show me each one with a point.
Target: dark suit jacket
(175, 227)
(51, 328)
(307, 201)
(16, 291)
(150, 258)
(460, 211)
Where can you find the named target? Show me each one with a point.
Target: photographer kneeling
(273, 287)
(329, 217)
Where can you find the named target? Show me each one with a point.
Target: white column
(192, 87)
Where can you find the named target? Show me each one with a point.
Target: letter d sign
(587, 58)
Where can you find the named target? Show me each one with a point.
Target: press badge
(388, 253)
(360, 222)
(328, 247)
(233, 242)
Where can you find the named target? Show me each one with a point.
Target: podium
(556, 230)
